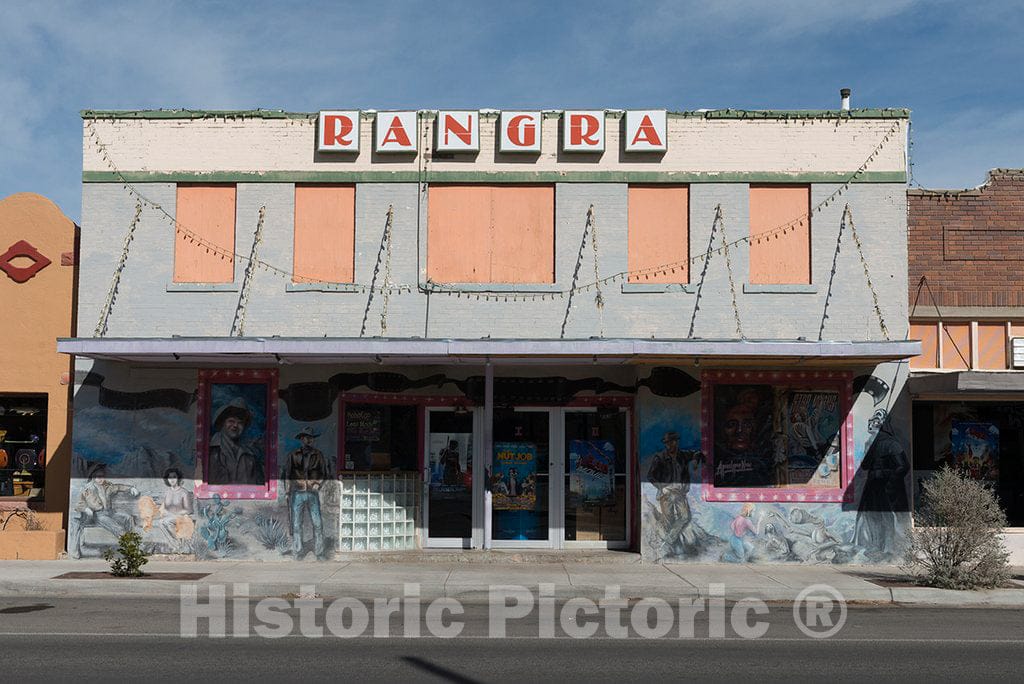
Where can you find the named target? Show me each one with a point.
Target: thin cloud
(950, 62)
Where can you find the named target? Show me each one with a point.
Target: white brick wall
(695, 145)
(145, 308)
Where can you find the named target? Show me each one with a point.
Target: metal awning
(299, 350)
(960, 385)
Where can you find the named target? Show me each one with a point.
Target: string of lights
(238, 325)
(728, 267)
(115, 282)
(430, 287)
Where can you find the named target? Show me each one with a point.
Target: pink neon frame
(841, 382)
(420, 402)
(253, 376)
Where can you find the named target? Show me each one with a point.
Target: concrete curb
(481, 595)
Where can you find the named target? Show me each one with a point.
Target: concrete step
(493, 556)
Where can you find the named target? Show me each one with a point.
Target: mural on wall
(308, 475)
(133, 468)
(678, 524)
(238, 431)
(136, 468)
(883, 497)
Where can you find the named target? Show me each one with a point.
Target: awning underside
(963, 383)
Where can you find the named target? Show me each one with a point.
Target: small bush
(130, 556)
(955, 543)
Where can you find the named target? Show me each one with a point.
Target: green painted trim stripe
(490, 177)
(899, 113)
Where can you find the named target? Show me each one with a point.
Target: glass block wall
(379, 511)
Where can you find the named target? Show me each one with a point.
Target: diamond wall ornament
(21, 274)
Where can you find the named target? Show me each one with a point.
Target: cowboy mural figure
(306, 472)
(233, 461)
(95, 508)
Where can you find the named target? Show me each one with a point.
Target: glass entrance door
(595, 477)
(519, 478)
(448, 478)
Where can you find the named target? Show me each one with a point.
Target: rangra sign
(515, 131)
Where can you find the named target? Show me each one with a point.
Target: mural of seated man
(95, 508)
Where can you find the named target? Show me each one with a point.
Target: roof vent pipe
(844, 104)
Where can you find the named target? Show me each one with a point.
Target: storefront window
(984, 440)
(22, 445)
(786, 432)
(380, 437)
(450, 465)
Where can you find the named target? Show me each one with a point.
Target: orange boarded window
(204, 245)
(956, 346)
(780, 234)
(928, 333)
(491, 234)
(325, 232)
(659, 234)
(992, 346)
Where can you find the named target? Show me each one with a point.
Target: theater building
(967, 308)
(677, 333)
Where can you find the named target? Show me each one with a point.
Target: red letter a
(396, 134)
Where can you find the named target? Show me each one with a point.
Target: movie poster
(514, 476)
(592, 472)
(450, 460)
(812, 439)
(975, 448)
(743, 444)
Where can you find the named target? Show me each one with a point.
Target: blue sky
(954, 63)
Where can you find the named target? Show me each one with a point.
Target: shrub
(956, 540)
(130, 556)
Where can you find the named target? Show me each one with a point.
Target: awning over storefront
(285, 350)
(962, 385)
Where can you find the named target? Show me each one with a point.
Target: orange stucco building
(37, 291)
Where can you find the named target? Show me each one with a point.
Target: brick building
(367, 331)
(966, 296)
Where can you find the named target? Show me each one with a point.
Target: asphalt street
(44, 639)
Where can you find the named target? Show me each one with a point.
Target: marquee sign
(583, 131)
(645, 131)
(515, 131)
(458, 132)
(395, 132)
(338, 132)
(519, 132)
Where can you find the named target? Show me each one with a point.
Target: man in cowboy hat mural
(231, 461)
(669, 472)
(306, 472)
(95, 508)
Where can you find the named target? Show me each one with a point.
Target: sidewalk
(470, 582)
